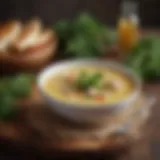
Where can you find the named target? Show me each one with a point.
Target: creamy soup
(89, 85)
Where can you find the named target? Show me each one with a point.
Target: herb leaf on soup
(86, 80)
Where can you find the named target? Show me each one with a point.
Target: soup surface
(89, 85)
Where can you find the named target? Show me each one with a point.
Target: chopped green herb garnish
(86, 80)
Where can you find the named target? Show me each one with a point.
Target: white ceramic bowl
(82, 112)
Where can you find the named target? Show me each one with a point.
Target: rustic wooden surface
(147, 148)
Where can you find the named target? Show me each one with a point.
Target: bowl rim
(116, 65)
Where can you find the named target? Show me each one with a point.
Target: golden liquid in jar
(127, 34)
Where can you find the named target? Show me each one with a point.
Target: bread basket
(32, 58)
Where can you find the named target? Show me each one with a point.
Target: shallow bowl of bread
(26, 47)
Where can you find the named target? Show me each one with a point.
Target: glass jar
(128, 26)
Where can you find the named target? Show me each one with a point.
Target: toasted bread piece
(29, 35)
(8, 33)
(45, 38)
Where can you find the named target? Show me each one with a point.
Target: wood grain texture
(144, 149)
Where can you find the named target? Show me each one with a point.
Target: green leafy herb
(6, 108)
(86, 80)
(64, 32)
(145, 57)
(84, 36)
(21, 85)
(11, 89)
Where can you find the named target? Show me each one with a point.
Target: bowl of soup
(88, 90)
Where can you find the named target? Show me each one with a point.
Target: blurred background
(108, 12)
(52, 10)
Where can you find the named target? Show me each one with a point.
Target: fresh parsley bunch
(84, 36)
(145, 57)
(12, 89)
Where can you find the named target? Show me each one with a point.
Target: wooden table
(147, 148)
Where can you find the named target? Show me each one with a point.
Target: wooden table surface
(147, 148)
